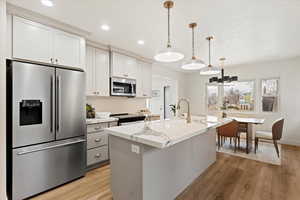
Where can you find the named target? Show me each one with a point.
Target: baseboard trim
(289, 142)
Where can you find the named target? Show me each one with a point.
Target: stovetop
(128, 115)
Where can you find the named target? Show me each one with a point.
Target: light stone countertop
(98, 120)
(165, 133)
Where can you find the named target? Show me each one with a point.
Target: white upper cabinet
(144, 80)
(97, 72)
(90, 71)
(37, 42)
(66, 49)
(31, 41)
(124, 66)
(102, 72)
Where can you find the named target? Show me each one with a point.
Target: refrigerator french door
(45, 127)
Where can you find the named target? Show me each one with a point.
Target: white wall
(163, 76)
(2, 99)
(289, 73)
(162, 71)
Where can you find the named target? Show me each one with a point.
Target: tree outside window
(239, 96)
(212, 97)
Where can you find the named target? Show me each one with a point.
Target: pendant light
(169, 54)
(209, 69)
(194, 63)
(224, 79)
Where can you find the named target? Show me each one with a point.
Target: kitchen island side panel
(126, 170)
(168, 172)
(160, 174)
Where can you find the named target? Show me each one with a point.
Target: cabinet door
(66, 49)
(102, 72)
(118, 65)
(147, 80)
(31, 41)
(131, 67)
(90, 71)
(139, 80)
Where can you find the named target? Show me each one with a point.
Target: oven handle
(50, 147)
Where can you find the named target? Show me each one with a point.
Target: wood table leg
(249, 142)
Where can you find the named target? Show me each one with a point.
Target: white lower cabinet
(144, 80)
(97, 144)
(36, 42)
(97, 72)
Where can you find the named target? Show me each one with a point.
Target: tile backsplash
(117, 104)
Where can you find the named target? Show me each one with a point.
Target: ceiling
(245, 31)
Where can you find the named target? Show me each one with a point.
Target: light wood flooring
(230, 178)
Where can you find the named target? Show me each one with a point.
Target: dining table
(246, 125)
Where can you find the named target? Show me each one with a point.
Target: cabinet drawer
(112, 124)
(97, 139)
(97, 155)
(96, 127)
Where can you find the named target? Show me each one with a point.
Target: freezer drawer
(97, 155)
(97, 140)
(41, 167)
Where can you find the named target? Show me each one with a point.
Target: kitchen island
(158, 160)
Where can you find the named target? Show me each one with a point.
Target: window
(239, 96)
(270, 95)
(212, 97)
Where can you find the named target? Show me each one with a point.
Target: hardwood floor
(230, 178)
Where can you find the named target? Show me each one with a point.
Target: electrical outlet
(135, 149)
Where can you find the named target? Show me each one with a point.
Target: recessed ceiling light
(105, 27)
(141, 42)
(47, 3)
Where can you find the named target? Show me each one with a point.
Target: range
(127, 118)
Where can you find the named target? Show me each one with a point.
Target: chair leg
(230, 140)
(219, 142)
(234, 144)
(239, 141)
(276, 147)
(256, 145)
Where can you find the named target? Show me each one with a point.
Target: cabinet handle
(56, 60)
(95, 92)
(98, 155)
(98, 140)
(51, 60)
(98, 128)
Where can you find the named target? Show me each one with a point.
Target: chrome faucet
(188, 118)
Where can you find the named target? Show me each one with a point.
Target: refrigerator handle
(51, 105)
(51, 147)
(57, 102)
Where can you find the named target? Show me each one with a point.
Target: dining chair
(275, 135)
(228, 130)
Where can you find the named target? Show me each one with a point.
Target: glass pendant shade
(193, 64)
(168, 55)
(210, 70)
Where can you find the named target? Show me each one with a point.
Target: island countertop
(165, 133)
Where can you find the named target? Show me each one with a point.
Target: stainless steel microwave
(122, 87)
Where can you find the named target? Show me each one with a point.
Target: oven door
(123, 87)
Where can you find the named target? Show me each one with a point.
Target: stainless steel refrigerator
(45, 127)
